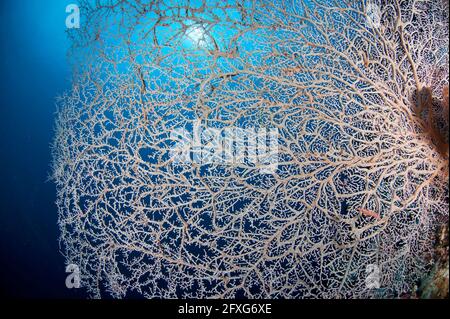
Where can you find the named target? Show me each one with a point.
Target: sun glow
(197, 34)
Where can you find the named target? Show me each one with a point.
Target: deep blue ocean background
(34, 70)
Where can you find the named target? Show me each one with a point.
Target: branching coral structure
(360, 186)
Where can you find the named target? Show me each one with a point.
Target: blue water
(34, 71)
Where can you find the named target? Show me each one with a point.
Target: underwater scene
(230, 149)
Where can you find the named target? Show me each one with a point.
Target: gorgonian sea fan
(344, 95)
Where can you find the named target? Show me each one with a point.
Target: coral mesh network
(349, 208)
